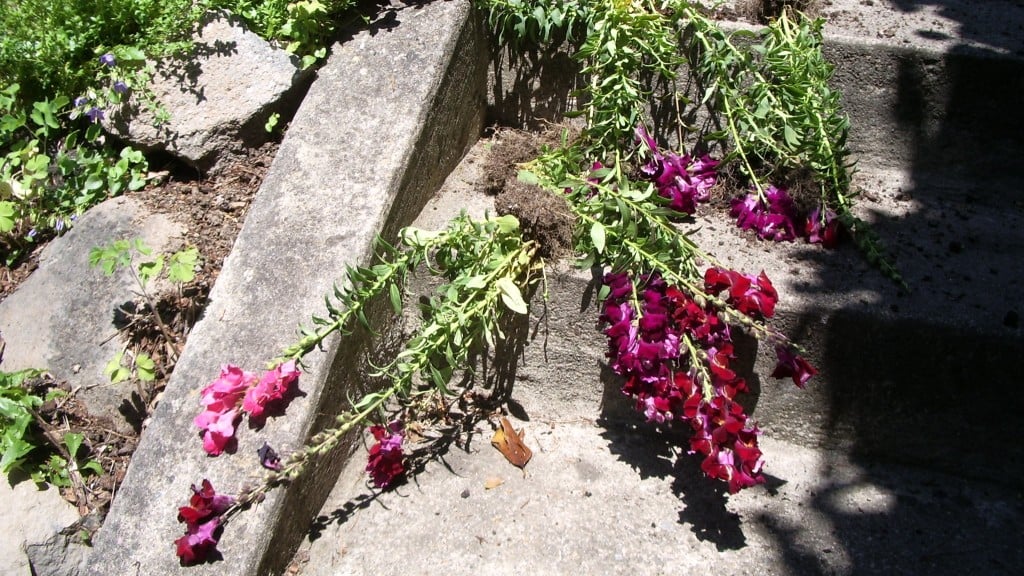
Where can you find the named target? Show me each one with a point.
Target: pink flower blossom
(218, 430)
(272, 388)
(224, 393)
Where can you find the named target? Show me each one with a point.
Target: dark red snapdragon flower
(753, 296)
(822, 227)
(793, 366)
(386, 461)
(202, 517)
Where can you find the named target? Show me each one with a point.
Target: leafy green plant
(23, 433)
(768, 91)
(17, 405)
(138, 258)
(49, 175)
(304, 27)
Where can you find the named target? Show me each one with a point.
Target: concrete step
(604, 498)
(389, 116)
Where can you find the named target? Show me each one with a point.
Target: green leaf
(597, 236)
(145, 368)
(150, 270)
(115, 371)
(476, 282)
(7, 212)
(527, 177)
(511, 296)
(73, 441)
(791, 137)
(94, 467)
(396, 298)
(507, 224)
(181, 266)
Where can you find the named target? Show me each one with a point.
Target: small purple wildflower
(81, 101)
(269, 458)
(108, 60)
(95, 114)
(32, 233)
(120, 87)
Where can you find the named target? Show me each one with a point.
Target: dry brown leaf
(510, 444)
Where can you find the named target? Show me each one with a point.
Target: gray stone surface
(857, 482)
(31, 517)
(390, 115)
(219, 99)
(62, 319)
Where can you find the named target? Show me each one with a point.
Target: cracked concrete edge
(379, 130)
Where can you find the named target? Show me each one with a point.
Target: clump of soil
(764, 11)
(542, 216)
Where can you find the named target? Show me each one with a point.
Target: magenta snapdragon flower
(646, 324)
(237, 392)
(272, 389)
(684, 180)
(773, 217)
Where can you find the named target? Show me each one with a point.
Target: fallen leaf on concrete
(510, 444)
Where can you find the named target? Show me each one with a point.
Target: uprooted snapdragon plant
(669, 311)
(764, 94)
(486, 266)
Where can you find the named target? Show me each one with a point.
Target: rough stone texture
(68, 327)
(31, 516)
(219, 99)
(390, 115)
(62, 554)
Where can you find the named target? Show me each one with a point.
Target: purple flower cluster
(684, 180)
(776, 217)
(656, 333)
